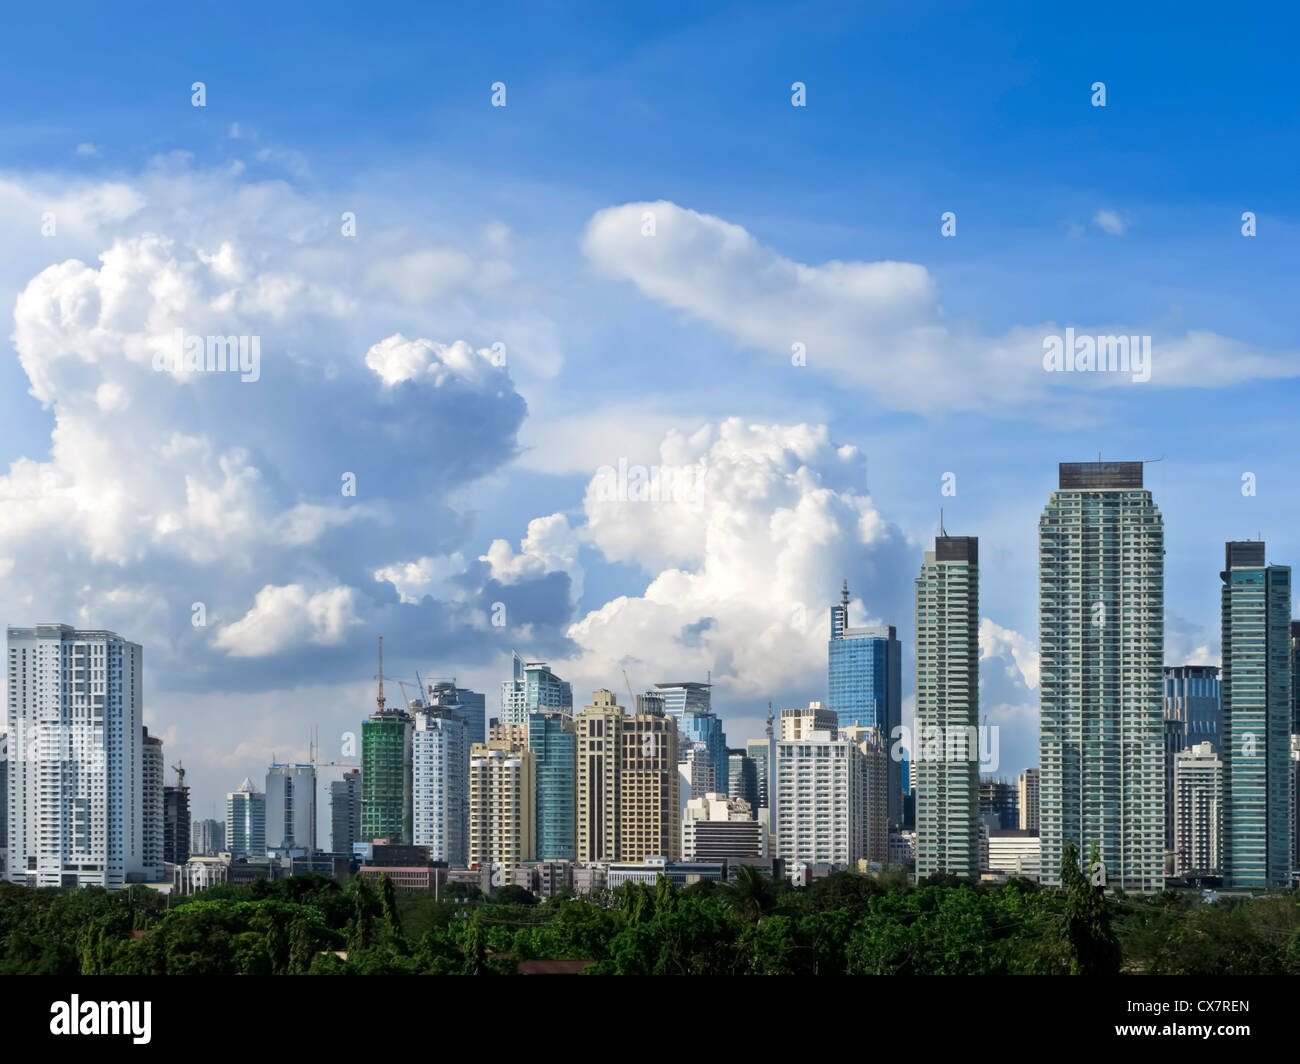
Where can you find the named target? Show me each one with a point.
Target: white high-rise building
(531, 688)
(947, 709)
(440, 773)
(151, 808)
(1101, 637)
(818, 783)
(291, 807)
(1198, 811)
(76, 773)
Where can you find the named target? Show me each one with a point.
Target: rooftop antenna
(942, 533)
(844, 593)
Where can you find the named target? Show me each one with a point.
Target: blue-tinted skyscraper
(1256, 600)
(551, 739)
(865, 680)
(1193, 715)
(705, 726)
(533, 687)
(470, 707)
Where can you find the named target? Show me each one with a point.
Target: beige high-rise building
(599, 731)
(649, 802)
(800, 723)
(502, 824)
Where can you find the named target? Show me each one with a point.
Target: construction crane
(631, 697)
(404, 698)
(380, 700)
(179, 769)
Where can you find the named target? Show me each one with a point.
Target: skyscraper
(1198, 811)
(680, 696)
(502, 786)
(151, 805)
(1193, 715)
(470, 706)
(599, 733)
(1028, 785)
(947, 709)
(742, 779)
(532, 687)
(246, 821)
(440, 778)
(873, 811)
(1295, 677)
(208, 837)
(344, 806)
(702, 727)
(76, 747)
(386, 770)
(291, 807)
(758, 751)
(176, 824)
(649, 795)
(865, 684)
(1101, 650)
(552, 740)
(818, 782)
(1256, 747)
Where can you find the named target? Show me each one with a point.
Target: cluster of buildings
(1160, 771)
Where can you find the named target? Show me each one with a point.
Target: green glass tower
(1101, 653)
(1256, 601)
(551, 739)
(386, 761)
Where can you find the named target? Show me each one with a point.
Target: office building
(1198, 811)
(246, 821)
(291, 808)
(440, 774)
(208, 838)
(533, 687)
(800, 723)
(1027, 785)
(742, 779)
(1014, 853)
(698, 776)
(1193, 714)
(76, 763)
(502, 828)
(649, 789)
(1101, 658)
(553, 742)
(386, 786)
(1256, 747)
(818, 787)
(344, 808)
(599, 735)
(702, 727)
(865, 684)
(151, 805)
(328, 773)
(999, 805)
(469, 706)
(1295, 677)
(947, 709)
(758, 752)
(873, 818)
(682, 697)
(176, 824)
(716, 827)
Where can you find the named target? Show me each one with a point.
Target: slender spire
(941, 530)
(380, 699)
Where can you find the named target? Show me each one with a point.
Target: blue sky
(480, 224)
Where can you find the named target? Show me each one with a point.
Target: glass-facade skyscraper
(864, 684)
(532, 687)
(1101, 648)
(552, 740)
(1256, 753)
(1193, 716)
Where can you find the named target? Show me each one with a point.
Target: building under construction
(386, 770)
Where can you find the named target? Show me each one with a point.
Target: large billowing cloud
(880, 325)
(256, 527)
